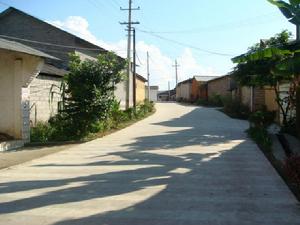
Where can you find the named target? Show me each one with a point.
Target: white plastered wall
(17, 70)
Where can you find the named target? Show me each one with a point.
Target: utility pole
(176, 71)
(148, 76)
(169, 90)
(134, 69)
(129, 27)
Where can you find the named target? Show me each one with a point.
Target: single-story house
(45, 94)
(19, 65)
(164, 96)
(140, 89)
(153, 93)
(256, 98)
(184, 90)
(189, 90)
(197, 82)
(221, 86)
(19, 26)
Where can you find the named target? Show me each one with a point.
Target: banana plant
(291, 10)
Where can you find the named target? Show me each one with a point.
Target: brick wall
(41, 106)
(195, 90)
(219, 86)
(258, 98)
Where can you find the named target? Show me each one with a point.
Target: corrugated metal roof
(52, 70)
(205, 78)
(18, 47)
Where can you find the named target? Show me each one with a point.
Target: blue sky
(228, 27)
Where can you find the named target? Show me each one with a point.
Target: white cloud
(161, 70)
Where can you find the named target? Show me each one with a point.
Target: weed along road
(183, 165)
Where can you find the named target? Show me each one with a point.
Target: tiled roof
(52, 70)
(205, 78)
(141, 78)
(18, 47)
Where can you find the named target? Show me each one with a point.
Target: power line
(138, 58)
(5, 4)
(115, 3)
(57, 45)
(95, 3)
(185, 44)
(230, 25)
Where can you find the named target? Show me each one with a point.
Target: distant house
(19, 65)
(197, 82)
(140, 89)
(189, 90)
(164, 96)
(153, 93)
(18, 26)
(184, 90)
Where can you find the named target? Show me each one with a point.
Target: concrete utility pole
(129, 27)
(134, 69)
(148, 76)
(176, 71)
(169, 90)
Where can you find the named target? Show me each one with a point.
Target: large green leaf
(294, 2)
(290, 11)
(262, 54)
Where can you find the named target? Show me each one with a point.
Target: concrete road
(184, 165)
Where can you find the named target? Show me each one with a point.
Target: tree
(88, 93)
(268, 64)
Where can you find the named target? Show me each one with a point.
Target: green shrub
(202, 102)
(259, 122)
(99, 126)
(88, 93)
(298, 111)
(117, 115)
(215, 100)
(42, 132)
(261, 136)
(292, 168)
(262, 118)
(235, 109)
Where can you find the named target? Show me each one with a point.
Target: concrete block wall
(42, 107)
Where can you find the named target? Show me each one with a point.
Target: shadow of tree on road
(172, 186)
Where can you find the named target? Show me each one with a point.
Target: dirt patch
(11, 158)
(5, 137)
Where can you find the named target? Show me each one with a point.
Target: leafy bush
(202, 102)
(235, 109)
(42, 132)
(259, 122)
(117, 115)
(262, 118)
(58, 128)
(215, 100)
(298, 111)
(292, 168)
(89, 93)
(261, 136)
(290, 127)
